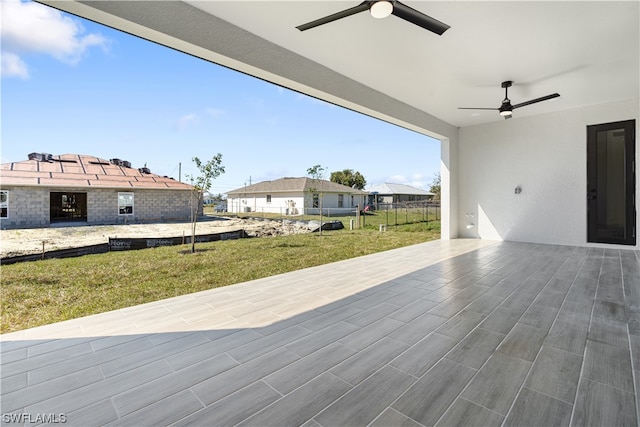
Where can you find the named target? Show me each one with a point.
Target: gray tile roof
(389, 188)
(288, 185)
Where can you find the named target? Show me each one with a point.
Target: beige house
(296, 196)
(73, 188)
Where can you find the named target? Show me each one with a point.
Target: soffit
(586, 51)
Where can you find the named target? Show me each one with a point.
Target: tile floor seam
(368, 376)
(44, 399)
(226, 353)
(472, 402)
(584, 352)
(272, 388)
(497, 346)
(156, 402)
(351, 387)
(482, 406)
(635, 381)
(41, 365)
(459, 341)
(610, 386)
(204, 406)
(118, 414)
(397, 412)
(198, 400)
(555, 319)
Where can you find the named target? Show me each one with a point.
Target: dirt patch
(28, 241)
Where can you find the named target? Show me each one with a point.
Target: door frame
(629, 127)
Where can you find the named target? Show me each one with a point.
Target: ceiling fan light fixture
(506, 113)
(381, 9)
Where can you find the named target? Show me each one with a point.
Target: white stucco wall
(449, 187)
(258, 203)
(280, 202)
(546, 156)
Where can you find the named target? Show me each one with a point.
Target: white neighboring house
(397, 193)
(296, 196)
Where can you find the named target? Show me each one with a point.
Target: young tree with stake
(201, 184)
(317, 174)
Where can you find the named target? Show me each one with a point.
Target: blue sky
(72, 86)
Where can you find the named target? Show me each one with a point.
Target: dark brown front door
(611, 210)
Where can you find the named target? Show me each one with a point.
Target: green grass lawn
(42, 292)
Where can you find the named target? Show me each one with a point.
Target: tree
(317, 174)
(201, 184)
(435, 186)
(349, 178)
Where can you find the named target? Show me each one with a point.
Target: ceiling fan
(506, 109)
(382, 9)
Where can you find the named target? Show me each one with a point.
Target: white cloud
(12, 66)
(215, 112)
(187, 120)
(33, 28)
(397, 179)
(415, 180)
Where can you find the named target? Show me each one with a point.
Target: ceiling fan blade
(533, 101)
(415, 17)
(472, 108)
(334, 17)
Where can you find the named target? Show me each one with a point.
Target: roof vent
(120, 162)
(144, 170)
(41, 157)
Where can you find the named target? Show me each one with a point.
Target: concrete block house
(295, 196)
(48, 190)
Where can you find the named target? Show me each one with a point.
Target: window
(316, 201)
(268, 198)
(4, 204)
(67, 206)
(340, 200)
(125, 203)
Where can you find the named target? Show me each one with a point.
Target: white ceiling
(587, 51)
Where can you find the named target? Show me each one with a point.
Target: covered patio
(515, 317)
(459, 332)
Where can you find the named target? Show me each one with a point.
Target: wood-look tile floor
(460, 333)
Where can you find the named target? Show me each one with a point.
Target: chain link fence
(371, 215)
